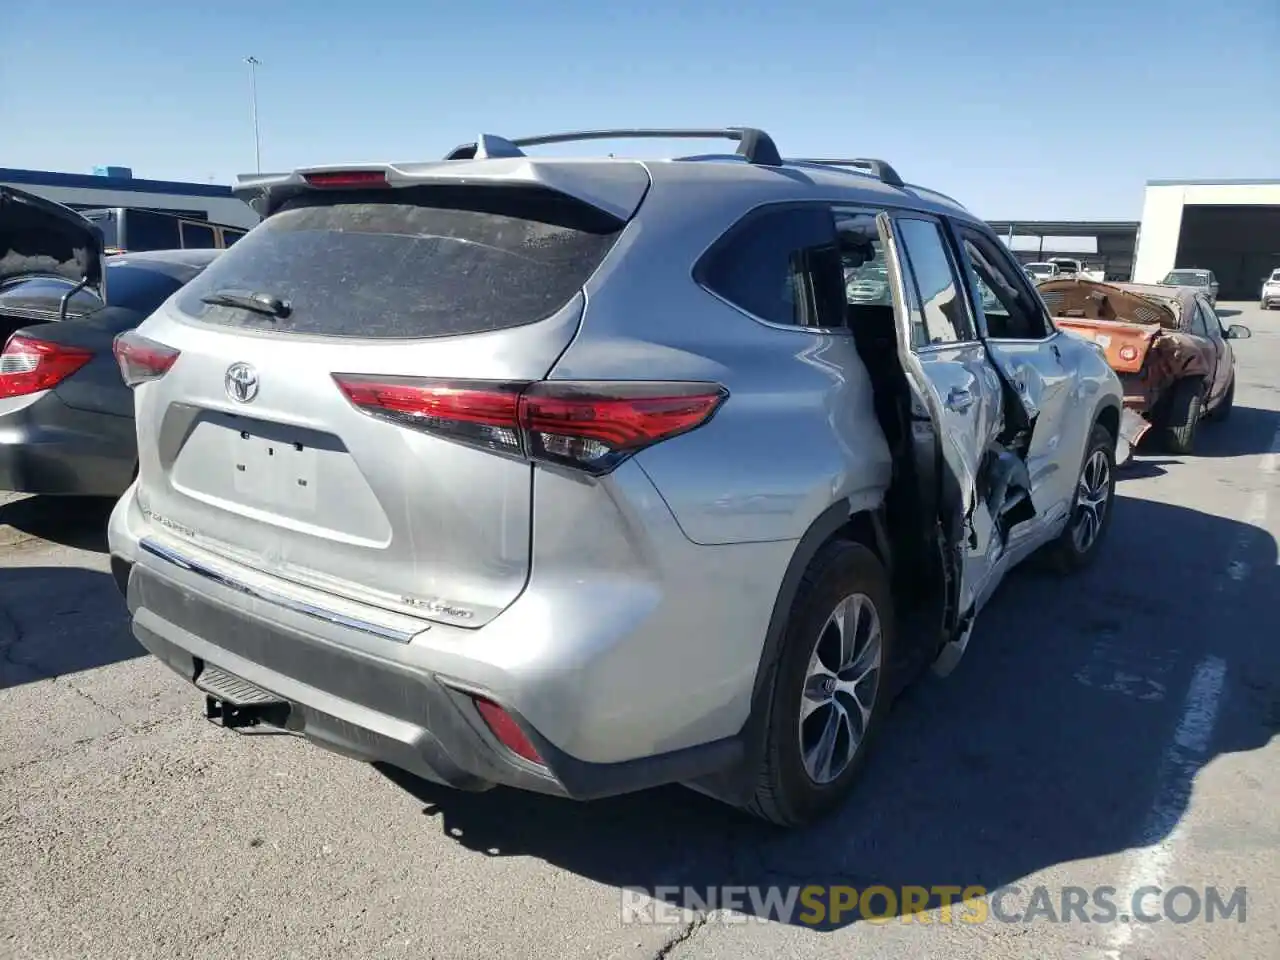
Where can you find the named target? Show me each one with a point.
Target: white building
(1231, 227)
(118, 188)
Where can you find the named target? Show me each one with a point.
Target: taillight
(29, 365)
(593, 426)
(141, 359)
(1128, 353)
(506, 730)
(347, 178)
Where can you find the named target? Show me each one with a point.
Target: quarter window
(782, 265)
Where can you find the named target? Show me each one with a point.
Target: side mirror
(1238, 331)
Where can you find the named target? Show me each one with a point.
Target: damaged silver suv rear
(587, 475)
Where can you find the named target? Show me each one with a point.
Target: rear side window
(410, 262)
(939, 301)
(781, 264)
(137, 288)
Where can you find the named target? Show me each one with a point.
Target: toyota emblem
(242, 382)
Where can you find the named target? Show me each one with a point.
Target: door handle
(959, 400)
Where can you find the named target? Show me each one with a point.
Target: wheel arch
(840, 521)
(1107, 414)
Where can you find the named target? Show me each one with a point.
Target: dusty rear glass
(410, 262)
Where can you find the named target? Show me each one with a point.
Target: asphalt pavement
(1114, 729)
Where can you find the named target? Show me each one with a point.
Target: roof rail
(877, 168)
(754, 145)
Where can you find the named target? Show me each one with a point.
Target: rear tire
(794, 786)
(1182, 416)
(1091, 508)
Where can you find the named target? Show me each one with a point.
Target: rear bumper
(375, 709)
(619, 683)
(1269, 300)
(49, 448)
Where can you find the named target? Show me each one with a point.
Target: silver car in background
(587, 475)
(1270, 295)
(1203, 281)
(1042, 270)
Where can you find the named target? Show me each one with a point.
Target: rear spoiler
(615, 187)
(610, 186)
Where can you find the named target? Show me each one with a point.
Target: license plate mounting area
(273, 471)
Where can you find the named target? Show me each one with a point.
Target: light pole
(254, 63)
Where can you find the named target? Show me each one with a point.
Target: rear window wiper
(248, 300)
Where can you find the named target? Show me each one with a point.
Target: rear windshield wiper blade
(248, 300)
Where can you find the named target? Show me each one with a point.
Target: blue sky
(1039, 108)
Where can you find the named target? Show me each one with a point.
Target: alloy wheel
(1093, 495)
(840, 688)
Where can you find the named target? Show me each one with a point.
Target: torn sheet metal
(1006, 488)
(1133, 427)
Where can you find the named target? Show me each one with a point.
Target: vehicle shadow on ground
(1048, 745)
(60, 620)
(79, 522)
(1142, 467)
(1249, 430)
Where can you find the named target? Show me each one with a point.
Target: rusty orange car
(1168, 346)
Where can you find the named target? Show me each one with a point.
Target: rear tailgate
(1125, 344)
(249, 447)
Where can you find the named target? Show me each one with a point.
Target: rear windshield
(410, 262)
(134, 286)
(1187, 278)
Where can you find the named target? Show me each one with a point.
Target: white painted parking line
(1164, 827)
(1255, 516)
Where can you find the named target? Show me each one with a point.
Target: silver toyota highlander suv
(585, 475)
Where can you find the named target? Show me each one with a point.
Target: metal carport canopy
(1065, 228)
